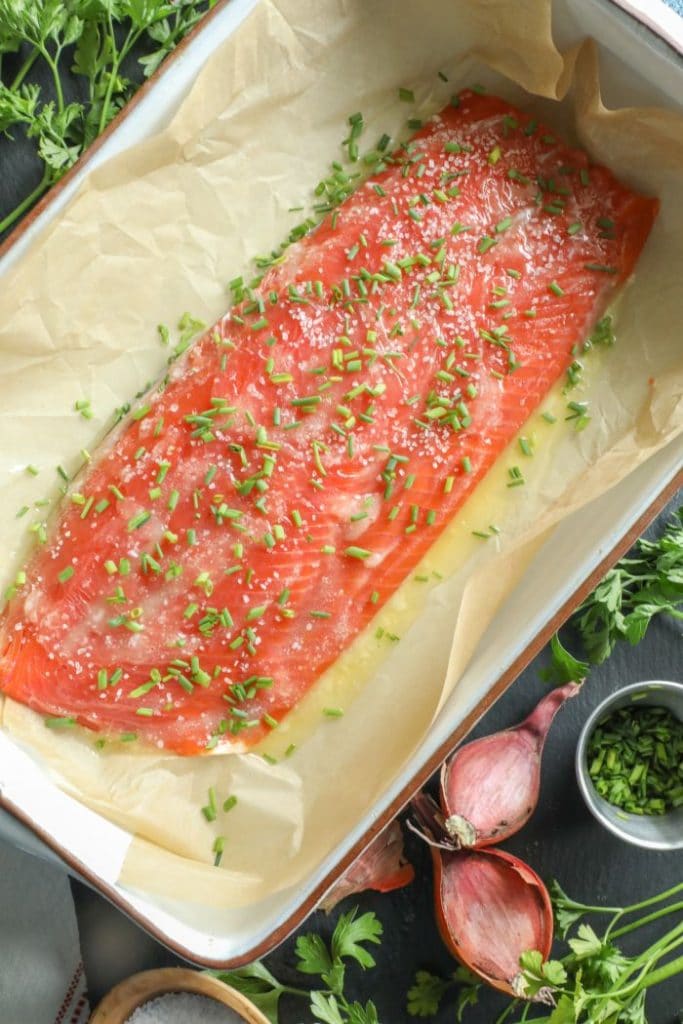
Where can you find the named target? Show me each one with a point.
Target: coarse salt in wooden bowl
(131, 995)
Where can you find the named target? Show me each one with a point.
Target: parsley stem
(54, 69)
(663, 973)
(624, 911)
(664, 945)
(112, 74)
(642, 921)
(24, 70)
(28, 201)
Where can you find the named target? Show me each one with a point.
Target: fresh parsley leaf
(261, 987)
(602, 963)
(586, 944)
(314, 957)
(326, 1008)
(538, 974)
(566, 910)
(632, 593)
(334, 978)
(351, 931)
(564, 667)
(426, 993)
(641, 586)
(359, 1014)
(564, 1012)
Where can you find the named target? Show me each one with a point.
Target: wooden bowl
(118, 1005)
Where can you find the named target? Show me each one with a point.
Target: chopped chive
(138, 520)
(356, 552)
(601, 268)
(66, 574)
(218, 849)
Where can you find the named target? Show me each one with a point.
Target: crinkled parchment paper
(160, 230)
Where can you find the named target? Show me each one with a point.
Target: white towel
(41, 972)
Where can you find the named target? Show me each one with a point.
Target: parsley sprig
(621, 607)
(99, 40)
(595, 982)
(328, 961)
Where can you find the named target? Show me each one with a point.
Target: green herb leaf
(325, 1008)
(359, 1014)
(314, 957)
(351, 931)
(564, 1012)
(564, 667)
(258, 984)
(538, 974)
(426, 993)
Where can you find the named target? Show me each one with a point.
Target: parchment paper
(160, 230)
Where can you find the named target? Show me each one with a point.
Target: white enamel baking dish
(647, 38)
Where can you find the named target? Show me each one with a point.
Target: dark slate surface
(561, 841)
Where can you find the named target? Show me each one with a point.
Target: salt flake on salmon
(248, 519)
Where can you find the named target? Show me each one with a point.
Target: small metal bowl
(654, 832)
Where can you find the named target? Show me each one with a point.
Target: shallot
(490, 787)
(490, 906)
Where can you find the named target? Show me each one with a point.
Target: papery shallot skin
(381, 867)
(253, 514)
(490, 787)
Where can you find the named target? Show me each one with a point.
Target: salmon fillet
(254, 512)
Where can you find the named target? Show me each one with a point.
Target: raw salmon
(254, 512)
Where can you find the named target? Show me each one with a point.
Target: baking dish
(592, 538)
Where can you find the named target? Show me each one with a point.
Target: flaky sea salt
(184, 1008)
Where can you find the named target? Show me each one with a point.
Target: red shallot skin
(382, 867)
(490, 787)
(491, 908)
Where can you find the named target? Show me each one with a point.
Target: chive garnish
(356, 552)
(138, 520)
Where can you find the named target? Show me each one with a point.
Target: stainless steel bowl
(654, 832)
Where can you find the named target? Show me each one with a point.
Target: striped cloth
(41, 974)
